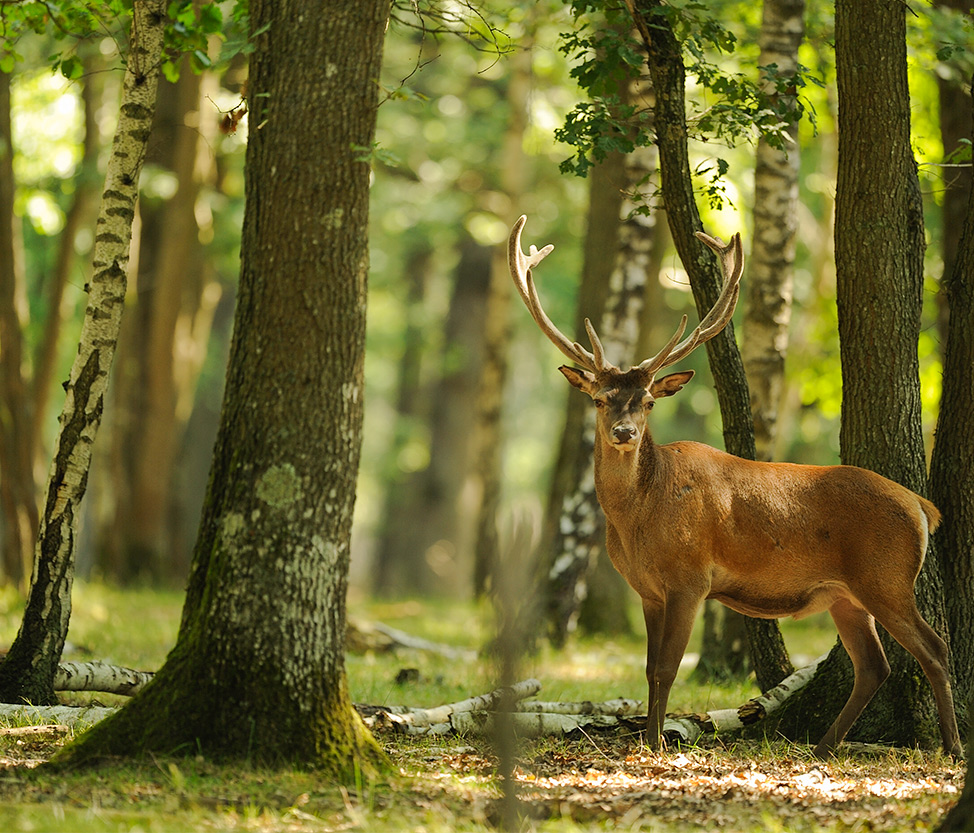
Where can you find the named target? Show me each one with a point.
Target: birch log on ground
(535, 719)
(99, 676)
(474, 716)
(396, 719)
(73, 716)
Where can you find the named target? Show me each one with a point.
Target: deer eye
(648, 404)
(599, 403)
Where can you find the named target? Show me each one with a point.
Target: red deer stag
(685, 522)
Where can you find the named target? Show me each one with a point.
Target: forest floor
(589, 782)
(592, 783)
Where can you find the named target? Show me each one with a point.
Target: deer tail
(932, 513)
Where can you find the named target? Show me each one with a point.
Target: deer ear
(581, 379)
(669, 385)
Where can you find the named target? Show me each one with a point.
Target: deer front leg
(668, 625)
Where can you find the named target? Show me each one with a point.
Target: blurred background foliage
(447, 185)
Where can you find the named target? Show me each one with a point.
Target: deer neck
(622, 477)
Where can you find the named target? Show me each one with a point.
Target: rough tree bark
(960, 818)
(27, 673)
(879, 242)
(956, 124)
(669, 77)
(263, 626)
(952, 461)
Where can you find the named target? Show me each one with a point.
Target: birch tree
(580, 534)
(27, 673)
(666, 66)
(768, 287)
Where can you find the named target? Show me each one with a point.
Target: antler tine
(731, 258)
(657, 361)
(598, 351)
(521, 266)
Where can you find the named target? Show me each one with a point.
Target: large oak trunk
(262, 632)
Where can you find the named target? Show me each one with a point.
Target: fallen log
(99, 676)
(72, 716)
(536, 719)
(686, 729)
(361, 637)
(619, 708)
(418, 718)
(472, 716)
(53, 729)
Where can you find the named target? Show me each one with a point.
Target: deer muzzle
(624, 435)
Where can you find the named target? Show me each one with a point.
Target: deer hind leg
(857, 630)
(909, 628)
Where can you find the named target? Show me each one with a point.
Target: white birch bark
(443, 714)
(581, 528)
(27, 673)
(99, 676)
(768, 299)
(686, 729)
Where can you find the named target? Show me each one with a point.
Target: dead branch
(376, 636)
(54, 729)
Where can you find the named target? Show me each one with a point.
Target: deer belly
(778, 601)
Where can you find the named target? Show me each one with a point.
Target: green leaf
(71, 68)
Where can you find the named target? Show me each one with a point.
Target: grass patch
(594, 782)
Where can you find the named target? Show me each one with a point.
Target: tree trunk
(669, 76)
(580, 538)
(770, 274)
(489, 440)
(952, 462)
(27, 673)
(879, 243)
(148, 426)
(80, 215)
(573, 466)
(18, 503)
(419, 549)
(956, 125)
(263, 626)
(396, 565)
(960, 818)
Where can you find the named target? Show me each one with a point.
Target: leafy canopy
(608, 55)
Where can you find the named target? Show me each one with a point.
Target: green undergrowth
(590, 782)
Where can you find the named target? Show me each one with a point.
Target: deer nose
(623, 433)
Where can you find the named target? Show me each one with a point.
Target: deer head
(625, 397)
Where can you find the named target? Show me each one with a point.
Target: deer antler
(731, 264)
(731, 258)
(521, 266)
